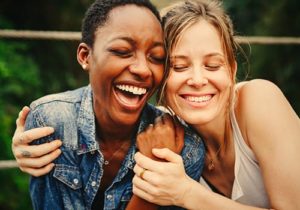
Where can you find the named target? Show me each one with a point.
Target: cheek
(222, 80)
(158, 73)
(173, 85)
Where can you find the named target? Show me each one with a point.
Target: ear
(83, 56)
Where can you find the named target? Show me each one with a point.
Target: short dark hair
(97, 15)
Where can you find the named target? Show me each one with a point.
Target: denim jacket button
(75, 181)
(109, 197)
(93, 183)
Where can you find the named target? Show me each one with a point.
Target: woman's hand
(165, 133)
(34, 159)
(162, 183)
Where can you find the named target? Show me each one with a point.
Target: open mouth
(130, 95)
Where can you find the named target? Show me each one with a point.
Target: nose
(197, 77)
(140, 67)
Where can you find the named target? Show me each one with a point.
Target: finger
(158, 120)
(145, 185)
(150, 127)
(141, 193)
(40, 161)
(26, 137)
(168, 120)
(36, 172)
(38, 150)
(137, 169)
(179, 135)
(20, 122)
(167, 154)
(147, 163)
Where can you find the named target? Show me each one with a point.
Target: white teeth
(132, 89)
(199, 99)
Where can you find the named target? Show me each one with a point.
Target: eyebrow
(214, 54)
(208, 55)
(178, 57)
(133, 42)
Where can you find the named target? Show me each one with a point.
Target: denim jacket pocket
(69, 175)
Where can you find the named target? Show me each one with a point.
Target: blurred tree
(20, 83)
(278, 63)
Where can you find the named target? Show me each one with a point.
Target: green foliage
(277, 63)
(19, 79)
(20, 82)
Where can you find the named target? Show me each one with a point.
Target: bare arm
(272, 129)
(33, 159)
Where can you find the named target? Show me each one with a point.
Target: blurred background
(31, 68)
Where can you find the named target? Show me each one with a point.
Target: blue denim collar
(86, 124)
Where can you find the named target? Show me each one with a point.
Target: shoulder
(260, 109)
(54, 109)
(259, 95)
(258, 87)
(72, 96)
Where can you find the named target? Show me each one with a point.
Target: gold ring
(142, 173)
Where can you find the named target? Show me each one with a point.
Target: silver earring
(84, 66)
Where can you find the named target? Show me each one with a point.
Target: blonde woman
(251, 133)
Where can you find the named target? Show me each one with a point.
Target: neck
(108, 130)
(212, 134)
(215, 133)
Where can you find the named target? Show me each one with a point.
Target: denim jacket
(75, 180)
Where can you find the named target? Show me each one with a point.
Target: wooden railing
(76, 36)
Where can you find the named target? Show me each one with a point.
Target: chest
(111, 165)
(222, 177)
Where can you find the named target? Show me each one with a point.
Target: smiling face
(125, 65)
(199, 84)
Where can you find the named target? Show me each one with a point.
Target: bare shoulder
(258, 88)
(259, 94)
(262, 107)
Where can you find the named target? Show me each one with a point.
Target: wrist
(187, 190)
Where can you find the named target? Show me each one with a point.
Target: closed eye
(213, 67)
(157, 59)
(179, 67)
(121, 53)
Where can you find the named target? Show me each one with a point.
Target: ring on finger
(142, 173)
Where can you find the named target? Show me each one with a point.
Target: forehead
(132, 19)
(201, 36)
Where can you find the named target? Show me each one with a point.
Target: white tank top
(248, 187)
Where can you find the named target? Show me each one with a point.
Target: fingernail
(51, 129)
